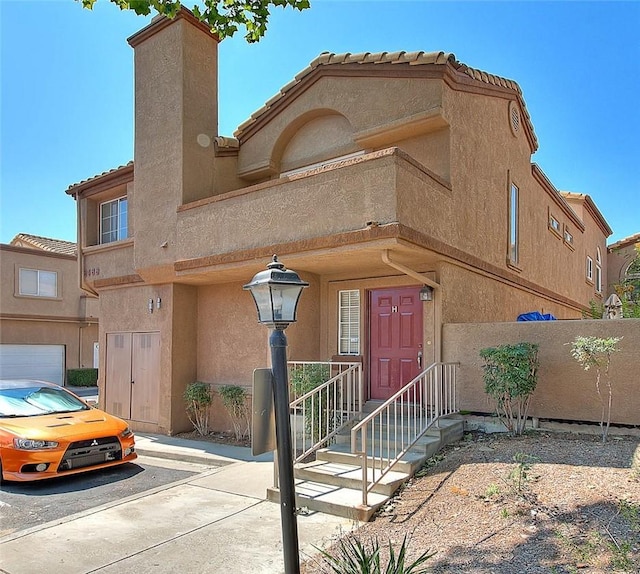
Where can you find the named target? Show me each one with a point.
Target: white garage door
(40, 362)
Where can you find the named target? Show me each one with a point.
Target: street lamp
(276, 292)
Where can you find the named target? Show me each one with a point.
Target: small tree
(510, 377)
(198, 399)
(596, 352)
(234, 399)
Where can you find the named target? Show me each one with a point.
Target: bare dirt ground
(556, 503)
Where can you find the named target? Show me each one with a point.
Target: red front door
(395, 335)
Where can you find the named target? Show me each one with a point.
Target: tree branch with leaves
(224, 18)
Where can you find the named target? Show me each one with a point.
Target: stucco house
(399, 185)
(47, 323)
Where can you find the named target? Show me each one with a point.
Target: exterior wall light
(150, 305)
(426, 293)
(276, 292)
(158, 303)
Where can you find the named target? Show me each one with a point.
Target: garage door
(41, 362)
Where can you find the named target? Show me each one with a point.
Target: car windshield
(33, 401)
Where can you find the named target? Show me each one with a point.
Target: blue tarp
(536, 316)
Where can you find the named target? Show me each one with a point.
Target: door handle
(420, 359)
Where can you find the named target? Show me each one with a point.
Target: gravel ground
(555, 503)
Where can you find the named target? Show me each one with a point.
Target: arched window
(631, 279)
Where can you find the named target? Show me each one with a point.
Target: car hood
(64, 425)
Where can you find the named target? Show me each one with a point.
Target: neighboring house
(372, 175)
(623, 266)
(47, 323)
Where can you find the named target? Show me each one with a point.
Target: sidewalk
(216, 521)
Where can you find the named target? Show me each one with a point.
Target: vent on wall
(514, 117)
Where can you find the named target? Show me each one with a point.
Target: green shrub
(198, 398)
(234, 399)
(304, 379)
(82, 377)
(510, 377)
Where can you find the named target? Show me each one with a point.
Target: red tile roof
(44, 243)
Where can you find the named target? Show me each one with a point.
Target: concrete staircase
(333, 482)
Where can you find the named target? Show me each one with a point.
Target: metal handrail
(391, 430)
(321, 413)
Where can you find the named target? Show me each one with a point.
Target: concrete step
(442, 432)
(341, 453)
(348, 476)
(333, 482)
(335, 500)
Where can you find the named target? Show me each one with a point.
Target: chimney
(176, 100)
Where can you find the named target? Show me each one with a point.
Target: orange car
(47, 431)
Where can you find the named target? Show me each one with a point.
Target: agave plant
(356, 557)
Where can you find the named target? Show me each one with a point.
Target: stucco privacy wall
(564, 391)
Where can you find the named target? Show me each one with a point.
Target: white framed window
(513, 224)
(349, 322)
(554, 224)
(589, 269)
(598, 271)
(38, 283)
(113, 220)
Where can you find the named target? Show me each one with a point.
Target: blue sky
(67, 87)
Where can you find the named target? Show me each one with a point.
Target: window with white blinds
(38, 283)
(349, 322)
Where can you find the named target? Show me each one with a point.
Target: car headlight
(31, 444)
(126, 433)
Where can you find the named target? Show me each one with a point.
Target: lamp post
(276, 292)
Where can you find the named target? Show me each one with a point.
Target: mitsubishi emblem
(94, 443)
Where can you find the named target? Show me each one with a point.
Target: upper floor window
(554, 224)
(349, 322)
(38, 283)
(598, 271)
(568, 237)
(113, 220)
(589, 268)
(513, 224)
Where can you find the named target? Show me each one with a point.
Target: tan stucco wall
(471, 297)
(176, 100)
(70, 300)
(108, 261)
(564, 390)
(231, 343)
(333, 130)
(356, 98)
(273, 214)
